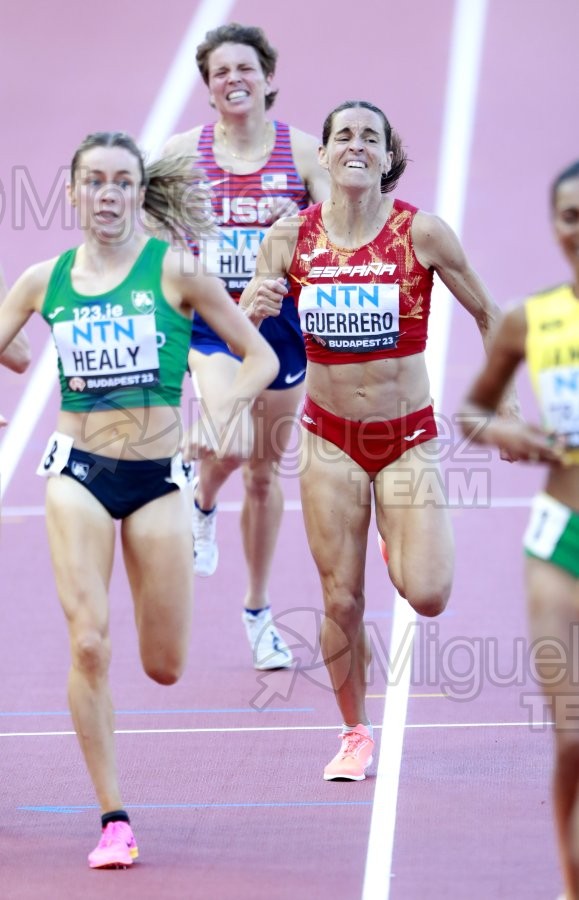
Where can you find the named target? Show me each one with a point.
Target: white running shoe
(269, 649)
(205, 549)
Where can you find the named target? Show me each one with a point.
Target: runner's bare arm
(305, 150)
(264, 294)
(16, 356)
(183, 144)
(437, 246)
(517, 439)
(25, 297)
(191, 289)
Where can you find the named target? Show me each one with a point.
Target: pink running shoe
(354, 757)
(116, 849)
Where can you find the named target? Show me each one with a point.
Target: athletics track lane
(192, 849)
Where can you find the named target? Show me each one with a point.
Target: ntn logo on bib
(559, 395)
(232, 254)
(354, 317)
(107, 346)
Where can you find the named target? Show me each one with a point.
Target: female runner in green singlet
(120, 308)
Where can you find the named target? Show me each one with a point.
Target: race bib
(353, 318)
(547, 523)
(181, 472)
(559, 391)
(105, 354)
(232, 256)
(56, 454)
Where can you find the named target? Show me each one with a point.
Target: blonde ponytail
(178, 197)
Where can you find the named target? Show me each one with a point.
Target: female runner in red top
(361, 267)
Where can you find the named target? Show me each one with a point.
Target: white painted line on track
(31, 406)
(234, 506)
(168, 106)
(182, 76)
(283, 728)
(460, 107)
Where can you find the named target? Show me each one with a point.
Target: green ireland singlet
(124, 349)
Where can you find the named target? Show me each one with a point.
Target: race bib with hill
(232, 256)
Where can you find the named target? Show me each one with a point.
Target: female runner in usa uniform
(258, 170)
(361, 267)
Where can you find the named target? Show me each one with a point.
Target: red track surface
(244, 813)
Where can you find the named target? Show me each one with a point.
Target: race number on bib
(231, 256)
(559, 390)
(547, 523)
(181, 472)
(353, 318)
(108, 354)
(56, 454)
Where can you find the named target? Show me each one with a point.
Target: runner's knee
(429, 603)
(426, 592)
(91, 653)
(166, 670)
(430, 606)
(259, 481)
(426, 600)
(344, 609)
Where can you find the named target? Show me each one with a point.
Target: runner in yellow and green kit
(544, 331)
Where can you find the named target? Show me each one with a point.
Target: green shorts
(553, 534)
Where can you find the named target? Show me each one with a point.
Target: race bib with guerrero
(356, 318)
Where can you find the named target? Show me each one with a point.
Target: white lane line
(460, 106)
(284, 728)
(235, 506)
(31, 406)
(182, 76)
(168, 106)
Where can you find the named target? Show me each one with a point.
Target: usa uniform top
(125, 348)
(552, 353)
(364, 304)
(245, 206)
